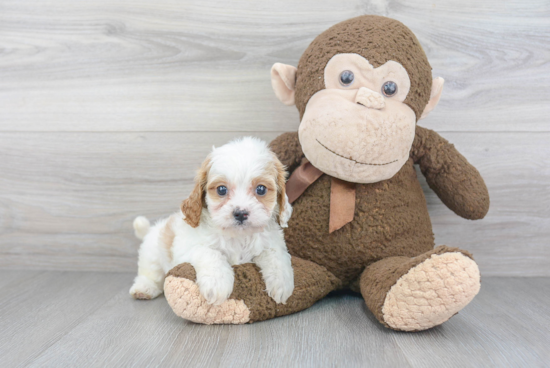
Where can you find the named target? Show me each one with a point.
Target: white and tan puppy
(234, 215)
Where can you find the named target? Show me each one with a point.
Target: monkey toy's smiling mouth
(350, 159)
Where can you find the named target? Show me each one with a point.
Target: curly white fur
(219, 241)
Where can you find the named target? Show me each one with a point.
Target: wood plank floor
(86, 319)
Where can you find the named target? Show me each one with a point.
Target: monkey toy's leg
(249, 301)
(413, 294)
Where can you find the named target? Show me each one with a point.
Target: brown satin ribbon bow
(342, 194)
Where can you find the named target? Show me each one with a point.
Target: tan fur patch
(274, 179)
(217, 200)
(281, 187)
(431, 292)
(270, 198)
(193, 205)
(214, 184)
(186, 301)
(167, 235)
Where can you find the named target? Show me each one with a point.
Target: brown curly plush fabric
(311, 283)
(389, 245)
(391, 216)
(377, 280)
(378, 39)
(466, 194)
(391, 232)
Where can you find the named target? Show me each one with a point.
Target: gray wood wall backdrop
(108, 107)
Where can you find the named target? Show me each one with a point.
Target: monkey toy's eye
(222, 190)
(389, 89)
(346, 78)
(261, 190)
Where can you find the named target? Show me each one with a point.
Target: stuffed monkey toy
(360, 218)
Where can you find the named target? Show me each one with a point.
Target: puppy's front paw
(280, 287)
(215, 289)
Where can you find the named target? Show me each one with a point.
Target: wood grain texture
(67, 200)
(108, 107)
(39, 308)
(204, 65)
(89, 320)
(504, 326)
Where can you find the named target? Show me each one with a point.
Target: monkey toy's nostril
(369, 98)
(240, 215)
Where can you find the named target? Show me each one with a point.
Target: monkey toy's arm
(288, 149)
(455, 181)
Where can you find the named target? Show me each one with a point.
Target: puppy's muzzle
(240, 215)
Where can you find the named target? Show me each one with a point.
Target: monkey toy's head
(360, 88)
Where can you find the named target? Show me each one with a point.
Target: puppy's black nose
(240, 215)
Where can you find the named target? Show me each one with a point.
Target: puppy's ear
(285, 209)
(192, 206)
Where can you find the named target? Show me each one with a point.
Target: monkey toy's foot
(413, 294)
(249, 302)
(183, 295)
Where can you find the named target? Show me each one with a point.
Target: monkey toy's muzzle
(357, 135)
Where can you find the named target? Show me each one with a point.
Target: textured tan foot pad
(431, 292)
(186, 301)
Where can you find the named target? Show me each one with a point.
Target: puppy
(233, 215)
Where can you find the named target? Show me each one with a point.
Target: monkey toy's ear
(283, 81)
(435, 95)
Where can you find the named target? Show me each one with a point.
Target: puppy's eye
(222, 190)
(346, 78)
(389, 88)
(261, 190)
